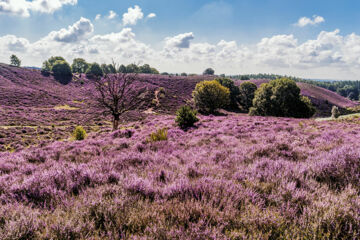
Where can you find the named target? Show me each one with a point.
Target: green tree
(234, 90)
(132, 68)
(209, 71)
(210, 96)
(79, 65)
(52, 60)
(246, 95)
(94, 70)
(154, 71)
(48, 64)
(122, 68)
(105, 68)
(281, 98)
(15, 61)
(61, 68)
(145, 69)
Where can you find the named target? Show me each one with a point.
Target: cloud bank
(24, 8)
(329, 55)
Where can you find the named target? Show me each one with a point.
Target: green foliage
(132, 68)
(209, 71)
(145, 69)
(281, 98)
(61, 68)
(79, 65)
(186, 117)
(94, 70)
(52, 60)
(210, 96)
(48, 65)
(79, 133)
(159, 135)
(184, 74)
(234, 90)
(335, 112)
(246, 95)
(15, 61)
(122, 69)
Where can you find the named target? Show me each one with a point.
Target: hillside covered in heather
(230, 176)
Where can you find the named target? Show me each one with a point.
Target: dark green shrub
(79, 133)
(209, 71)
(186, 117)
(246, 95)
(210, 96)
(94, 70)
(335, 112)
(61, 68)
(234, 90)
(281, 98)
(159, 135)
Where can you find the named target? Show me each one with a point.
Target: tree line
(59, 66)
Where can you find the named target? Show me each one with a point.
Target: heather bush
(79, 133)
(186, 117)
(159, 135)
(335, 112)
(210, 96)
(235, 177)
(281, 98)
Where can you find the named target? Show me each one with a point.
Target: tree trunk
(116, 122)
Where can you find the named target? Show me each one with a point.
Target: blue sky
(318, 39)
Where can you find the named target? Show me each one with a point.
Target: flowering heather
(229, 177)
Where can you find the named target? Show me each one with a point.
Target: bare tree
(118, 94)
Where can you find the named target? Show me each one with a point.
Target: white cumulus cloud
(304, 21)
(132, 16)
(179, 41)
(24, 8)
(97, 17)
(74, 32)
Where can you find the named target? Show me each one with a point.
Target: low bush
(186, 117)
(159, 135)
(335, 112)
(79, 133)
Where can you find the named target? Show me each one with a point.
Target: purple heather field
(228, 177)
